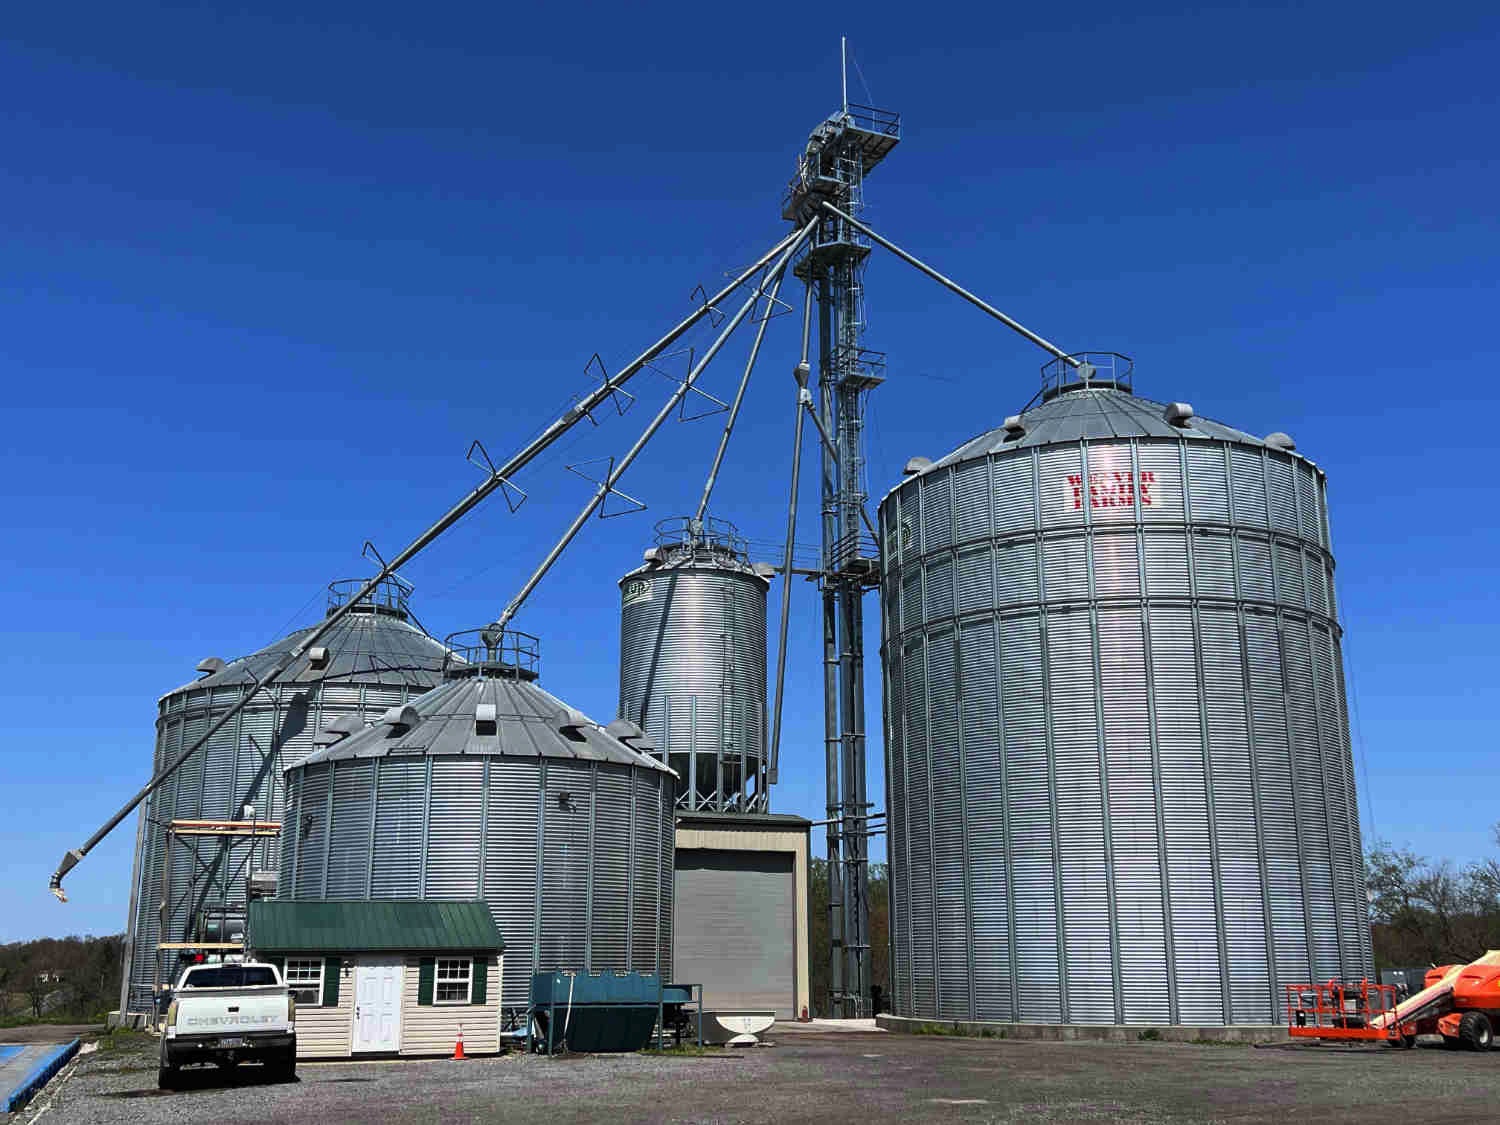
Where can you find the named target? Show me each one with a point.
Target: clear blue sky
(266, 275)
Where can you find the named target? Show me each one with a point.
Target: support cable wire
(607, 485)
(804, 399)
(1352, 698)
(947, 283)
(495, 480)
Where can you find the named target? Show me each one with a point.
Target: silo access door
(734, 929)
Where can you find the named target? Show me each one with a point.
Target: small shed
(385, 976)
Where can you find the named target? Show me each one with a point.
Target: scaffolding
(211, 844)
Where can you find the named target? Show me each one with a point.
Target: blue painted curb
(48, 1065)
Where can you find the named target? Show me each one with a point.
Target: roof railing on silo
(707, 537)
(390, 596)
(1085, 371)
(492, 652)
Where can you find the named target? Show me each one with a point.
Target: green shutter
(426, 971)
(332, 966)
(479, 995)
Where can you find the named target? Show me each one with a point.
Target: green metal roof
(362, 925)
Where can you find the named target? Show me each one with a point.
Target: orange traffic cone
(458, 1048)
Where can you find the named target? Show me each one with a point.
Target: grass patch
(1220, 1043)
(956, 1031)
(123, 1039)
(685, 1051)
(936, 1029)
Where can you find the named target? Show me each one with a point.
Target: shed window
(455, 980)
(304, 976)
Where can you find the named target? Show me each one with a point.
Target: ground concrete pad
(26, 1071)
(823, 1026)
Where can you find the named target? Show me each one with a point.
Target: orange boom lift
(1461, 1003)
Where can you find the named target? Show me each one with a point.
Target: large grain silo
(489, 787)
(693, 662)
(1120, 781)
(374, 659)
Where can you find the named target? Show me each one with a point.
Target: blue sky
(268, 274)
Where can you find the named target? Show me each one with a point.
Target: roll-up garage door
(734, 929)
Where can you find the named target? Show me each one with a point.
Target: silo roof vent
(400, 718)
(209, 665)
(1015, 426)
(623, 729)
(764, 570)
(916, 465)
(1179, 414)
(337, 729)
(1279, 440)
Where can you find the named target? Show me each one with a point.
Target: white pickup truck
(226, 1014)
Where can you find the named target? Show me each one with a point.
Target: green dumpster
(594, 1012)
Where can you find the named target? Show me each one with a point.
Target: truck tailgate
(228, 1012)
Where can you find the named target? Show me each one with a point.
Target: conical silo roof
(487, 709)
(1093, 414)
(376, 644)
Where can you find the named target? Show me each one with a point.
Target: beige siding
(326, 1033)
(432, 1029)
(741, 840)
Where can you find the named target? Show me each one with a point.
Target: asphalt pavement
(835, 1077)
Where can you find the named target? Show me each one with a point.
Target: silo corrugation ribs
(377, 660)
(1120, 780)
(565, 835)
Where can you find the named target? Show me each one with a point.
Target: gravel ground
(866, 1078)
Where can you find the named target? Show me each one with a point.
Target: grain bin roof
(495, 716)
(1094, 414)
(344, 925)
(367, 646)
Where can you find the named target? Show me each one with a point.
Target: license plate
(235, 1041)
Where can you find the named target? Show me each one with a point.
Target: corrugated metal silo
(693, 662)
(375, 659)
(1120, 782)
(489, 787)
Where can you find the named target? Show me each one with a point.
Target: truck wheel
(1475, 1031)
(282, 1067)
(166, 1078)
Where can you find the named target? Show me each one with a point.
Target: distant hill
(60, 979)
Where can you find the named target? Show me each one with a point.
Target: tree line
(60, 980)
(1431, 912)
(817, 930)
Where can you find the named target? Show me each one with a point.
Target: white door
(377, 1005)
